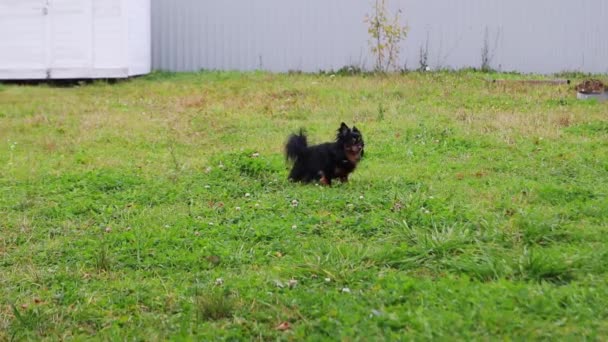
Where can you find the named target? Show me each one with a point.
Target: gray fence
(540, 36)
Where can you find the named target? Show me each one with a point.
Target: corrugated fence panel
(542, 36)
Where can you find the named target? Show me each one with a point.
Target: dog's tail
(296, 146)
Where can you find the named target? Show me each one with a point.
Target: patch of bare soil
(591, 86)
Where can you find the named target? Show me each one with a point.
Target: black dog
(326, 161)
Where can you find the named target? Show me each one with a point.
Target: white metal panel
(110, 42)
(542, 36)
(74, 38)
(71, 38)
(137, 22)
(23, 39)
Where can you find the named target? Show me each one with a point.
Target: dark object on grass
(326, 161)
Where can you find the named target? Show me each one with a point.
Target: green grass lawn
(138, 211)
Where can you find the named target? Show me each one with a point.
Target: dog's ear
(343, 129)
(355, 129)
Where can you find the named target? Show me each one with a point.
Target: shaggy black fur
(326, 161)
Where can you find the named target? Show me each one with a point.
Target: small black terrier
(326, 161)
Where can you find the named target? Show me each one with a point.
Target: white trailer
(74, 39)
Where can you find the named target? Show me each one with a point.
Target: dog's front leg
(324, 180)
